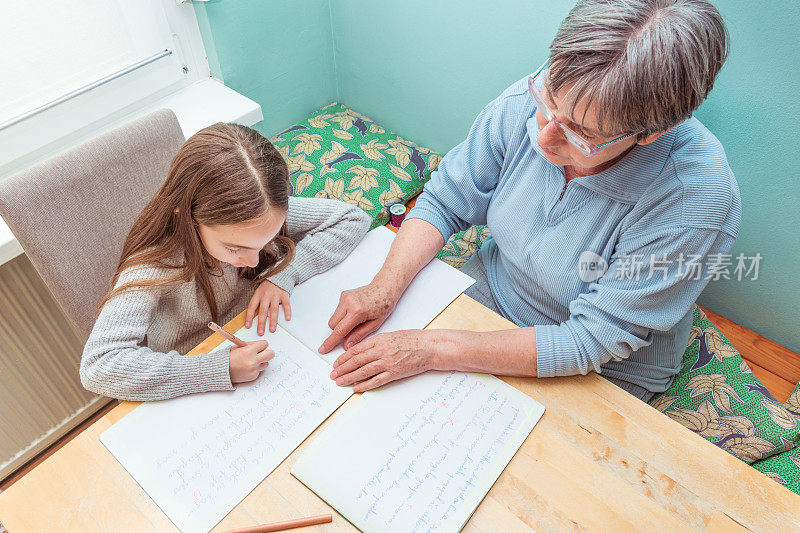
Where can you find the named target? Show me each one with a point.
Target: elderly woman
(609, 208)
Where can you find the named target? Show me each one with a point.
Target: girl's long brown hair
(224, 174)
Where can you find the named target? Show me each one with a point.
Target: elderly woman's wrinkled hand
(360, 312)
(386, 357)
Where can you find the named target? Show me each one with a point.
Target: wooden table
(599, 459)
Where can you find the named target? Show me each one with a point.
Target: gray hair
(645, 64)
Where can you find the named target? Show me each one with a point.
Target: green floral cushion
(341, 154)
(462, 245)
(717, 396)
(793, 403)
(783, 468)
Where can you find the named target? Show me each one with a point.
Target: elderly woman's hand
(361, 311)
(387, 357)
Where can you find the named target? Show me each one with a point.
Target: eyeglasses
(587, 148)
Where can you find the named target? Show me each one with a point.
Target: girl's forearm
(509, 352)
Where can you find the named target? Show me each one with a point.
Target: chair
(71, 213)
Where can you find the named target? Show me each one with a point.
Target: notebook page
(420, 454)
(198, 456)
(314, 301)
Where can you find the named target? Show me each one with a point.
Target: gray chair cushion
(71, 213)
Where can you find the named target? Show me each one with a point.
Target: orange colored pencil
(230, 336)
(288, 524)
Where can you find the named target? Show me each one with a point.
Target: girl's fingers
(251, 311)
(265, 356)
(273, 314)
(360, 374)
(258, 346)
(373, 383)
(287, 308)
(262, 316)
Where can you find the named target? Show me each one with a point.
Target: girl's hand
(266, 302)
(387, 357)
(247, 362)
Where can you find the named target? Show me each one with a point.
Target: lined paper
(420, 454)
(198, 456)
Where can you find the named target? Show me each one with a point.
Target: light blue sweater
(676, 196)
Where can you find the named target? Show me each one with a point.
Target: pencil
(288, 524)
(230, 336)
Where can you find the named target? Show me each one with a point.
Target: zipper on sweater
(563, 190)
(555, 207)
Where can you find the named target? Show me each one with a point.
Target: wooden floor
(47, 452)
(776, 366)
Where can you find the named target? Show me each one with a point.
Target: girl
(222, 223)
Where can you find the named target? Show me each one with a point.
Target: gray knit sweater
(134, 350)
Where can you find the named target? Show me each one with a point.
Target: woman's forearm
(361, 311)
(510, 352)
(507, 352)
(416, 244)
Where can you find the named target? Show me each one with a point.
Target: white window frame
(83, 116)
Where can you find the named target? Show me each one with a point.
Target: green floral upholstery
(717, 396)
(341, 154)
(793, 403)
(783, 468)
(460, 247)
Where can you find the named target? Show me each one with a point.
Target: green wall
(754, 111)
(279, 54)
(425, 69)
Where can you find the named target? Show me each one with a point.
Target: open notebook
(419, 454)
(198, 456)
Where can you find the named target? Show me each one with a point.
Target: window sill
(199, 105)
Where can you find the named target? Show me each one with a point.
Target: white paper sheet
(314, 301)
(198, 456)
(420, 454)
